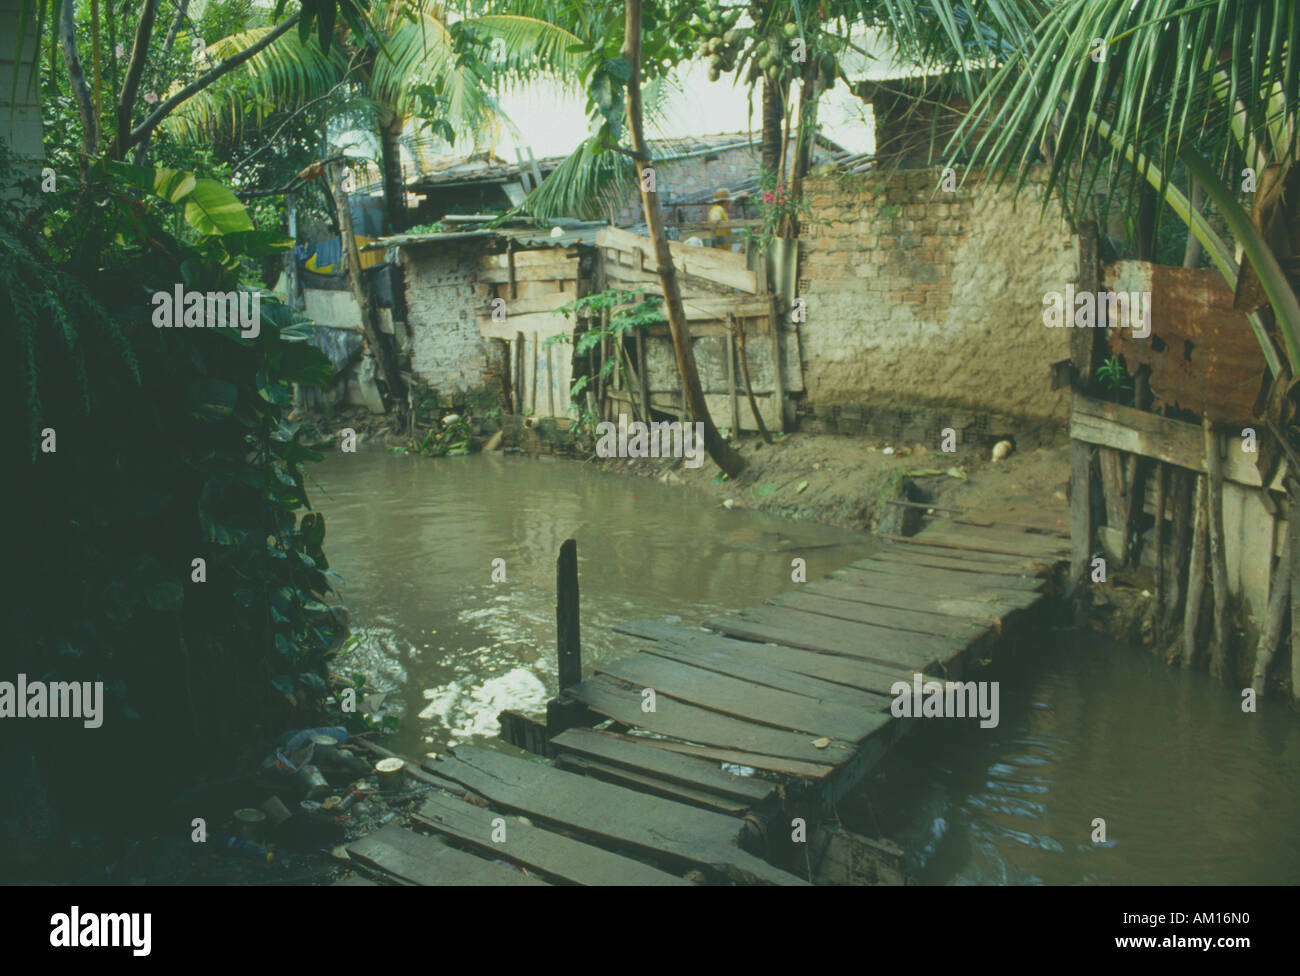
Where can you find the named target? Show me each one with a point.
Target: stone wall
(447, 351)
(931, 302)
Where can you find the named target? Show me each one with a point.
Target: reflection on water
(1192, 790)
(414, 540)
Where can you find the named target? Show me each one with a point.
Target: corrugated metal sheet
(1202, 354)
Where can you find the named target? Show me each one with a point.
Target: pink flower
(119, 51)
(768, 197)
(150, 97)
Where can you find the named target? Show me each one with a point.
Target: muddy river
(1191, 790)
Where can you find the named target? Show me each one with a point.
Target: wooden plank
(851, 672)
(904, 620)
(622, 702)
(539, 850)
(744, 700)
(1119, 505)
(1218, 548)
(546, 323)
(921, 544)
(775, 764)
(711, 264)
(902, 571)
(648, 825)
(1151, 435)
(426, 861)
(643, 782)
(643, 755)
(546, 257)
(548, 301)
(817, 633)
(878, 590)
(966, 586)
(950, 559)
(945, 539)
(768, 669)
(1020, 542)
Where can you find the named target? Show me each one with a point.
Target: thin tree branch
(135, 68)
(203, 81)
(77, 80)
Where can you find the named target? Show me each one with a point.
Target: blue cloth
(329, 253)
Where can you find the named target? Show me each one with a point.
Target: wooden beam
(567, 639)
(1218, 552)
(1154, 436)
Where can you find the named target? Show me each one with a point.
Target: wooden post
(521, 380)
(1083, 342)
(1218, 554)
(1195, 575)
(1162, 482)
(1277, 608)
(778, 381)
(643, 380)
(534, 403)
(1293, 527)
(1080, 512)
(731, 380)
(550, 385)
(1180, 543)
(749, 388)
(567, 644)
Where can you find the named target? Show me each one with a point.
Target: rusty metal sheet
(1203, 355)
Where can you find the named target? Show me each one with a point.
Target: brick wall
(920, 299)
(447, 351)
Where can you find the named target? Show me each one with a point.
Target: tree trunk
(773, 115)
(80, 88)
(381, 344)
(722, 453)
(390, 150)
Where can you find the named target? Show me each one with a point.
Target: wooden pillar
(1195, 575)
(1293, 527)
(567, 640)
(1218, 554)
(1080, 512)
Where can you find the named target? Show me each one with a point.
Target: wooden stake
(1218, 555)
(749, 389)
(1278, 603)
(568, 646)
(643, 378)
(731, 381)
(1195, 575)
(1181, 542)
(1293, 530)
(521, 380)
(1080, 512)
(1162, 480)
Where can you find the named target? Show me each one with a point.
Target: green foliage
(1113, 375)
(627, 312)
(172, 445)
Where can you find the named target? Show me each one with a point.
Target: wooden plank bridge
(667, 766)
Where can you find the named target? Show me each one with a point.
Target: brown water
(1192, 790)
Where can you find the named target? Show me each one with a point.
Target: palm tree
(414, 62)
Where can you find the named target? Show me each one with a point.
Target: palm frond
(286, 74)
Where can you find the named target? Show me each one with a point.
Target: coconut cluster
(770, 55)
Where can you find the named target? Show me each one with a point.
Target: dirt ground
(843, 481)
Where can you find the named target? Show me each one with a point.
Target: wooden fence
(747, 362)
